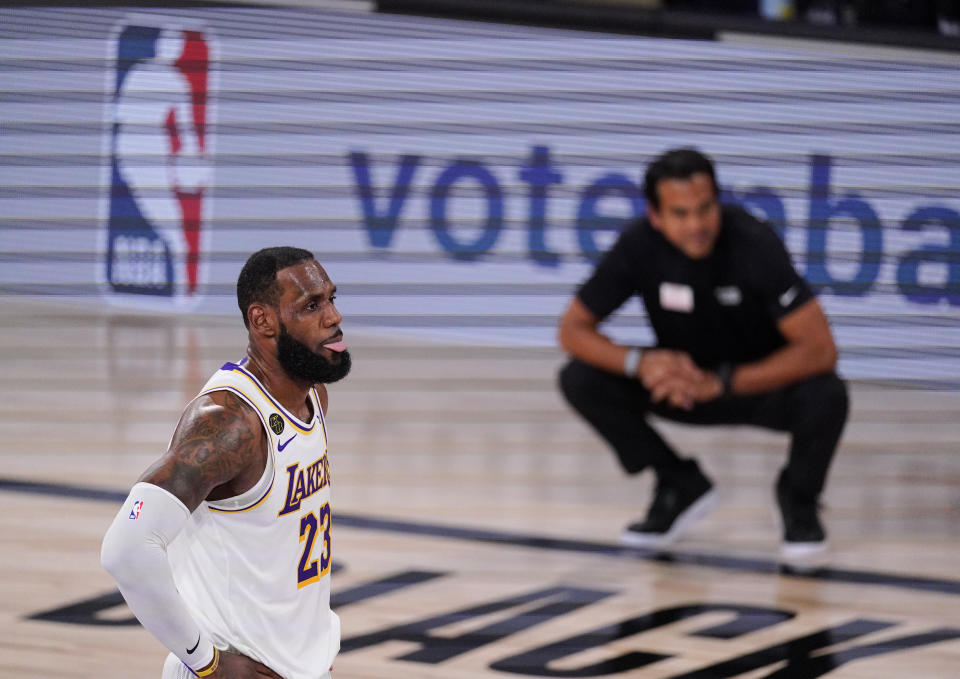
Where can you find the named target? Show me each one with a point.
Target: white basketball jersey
(255, 569)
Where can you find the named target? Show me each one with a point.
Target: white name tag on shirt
(676, 297)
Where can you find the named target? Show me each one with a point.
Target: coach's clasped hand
(672, 376)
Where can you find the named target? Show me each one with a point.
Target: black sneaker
(804, 539)
(676, 506)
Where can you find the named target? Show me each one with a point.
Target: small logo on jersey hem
(191, 650)
(281, 446)
(276, 424)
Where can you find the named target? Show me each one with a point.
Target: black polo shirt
(723, 308)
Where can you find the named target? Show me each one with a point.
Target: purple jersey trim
(323, 424)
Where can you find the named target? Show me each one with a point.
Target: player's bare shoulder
(218, 450)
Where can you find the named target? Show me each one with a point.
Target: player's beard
(299, 362)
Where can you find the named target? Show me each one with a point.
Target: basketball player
(222, 549)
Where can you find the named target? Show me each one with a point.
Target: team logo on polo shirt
(729, 295)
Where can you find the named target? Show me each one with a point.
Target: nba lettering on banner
(160, 167)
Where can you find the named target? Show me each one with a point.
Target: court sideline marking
(703, 559)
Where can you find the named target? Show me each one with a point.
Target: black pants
(813, 411)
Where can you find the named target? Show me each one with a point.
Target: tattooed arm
(218, 450)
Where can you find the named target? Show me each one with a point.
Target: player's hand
(237, 666)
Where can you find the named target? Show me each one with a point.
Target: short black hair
(257, 281)
(676, 164)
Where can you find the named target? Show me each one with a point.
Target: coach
(741, 339)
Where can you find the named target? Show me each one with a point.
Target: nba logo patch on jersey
(160, 163)
(135, 512)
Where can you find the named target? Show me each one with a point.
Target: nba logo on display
(160, 163)
(135, 512)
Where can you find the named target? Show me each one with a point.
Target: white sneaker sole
(690, 516)
(800, 555)
(804, 554)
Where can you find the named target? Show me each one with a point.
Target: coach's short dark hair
(676, 164)
(257, 281)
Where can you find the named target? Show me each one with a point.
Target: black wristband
(724, 373)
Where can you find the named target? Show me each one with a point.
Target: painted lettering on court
(87, 612)
(791, 658)
(798, 653)
(434, 649)
(383, 586)
(537, 662)
(95, 610)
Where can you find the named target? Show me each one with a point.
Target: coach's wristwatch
(724, 373)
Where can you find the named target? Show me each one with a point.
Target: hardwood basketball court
(476, 519)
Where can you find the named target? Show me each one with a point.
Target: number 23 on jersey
(310, 570)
